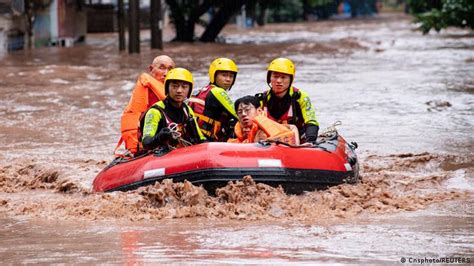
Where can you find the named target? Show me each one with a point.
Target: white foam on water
(459, 181)
(59, 81)
(93, 76)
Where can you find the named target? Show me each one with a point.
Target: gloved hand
(312, 134)
(165, 135)
(229, 129)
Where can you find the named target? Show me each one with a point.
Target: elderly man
(148, 90)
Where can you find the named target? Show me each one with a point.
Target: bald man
(148, 90)
(160, 67)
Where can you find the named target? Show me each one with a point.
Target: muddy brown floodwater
(407, 99)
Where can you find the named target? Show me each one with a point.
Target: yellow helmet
(181, 74)
(282, 65)
(222, 64)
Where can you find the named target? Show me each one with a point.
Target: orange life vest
(146, 90)
(272, 129)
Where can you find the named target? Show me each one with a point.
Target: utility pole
(134, 27)
(156, 24)
(121, 25)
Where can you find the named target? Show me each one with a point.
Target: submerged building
(12, 27)
(38, 23)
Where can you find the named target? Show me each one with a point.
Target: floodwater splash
(29, 175)
(393, 183)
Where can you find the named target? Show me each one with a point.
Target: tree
(257, 10)
(185, 14)
(457, 13)
(226, 10)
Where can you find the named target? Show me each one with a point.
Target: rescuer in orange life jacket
(148, 90)
(212, 105)
(172, 111)
(254, 126)
(286, 104)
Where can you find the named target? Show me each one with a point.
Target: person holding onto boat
(254, 126)
(212, 105)
(148, 89)
(171, 119)
(286, 104)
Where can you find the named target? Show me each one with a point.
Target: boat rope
(184, 142)
(331, 131)
(175, 134)
(278, 142)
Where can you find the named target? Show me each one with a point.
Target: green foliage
(431, 20)
(457, 13)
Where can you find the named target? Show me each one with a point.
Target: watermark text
(425, 260)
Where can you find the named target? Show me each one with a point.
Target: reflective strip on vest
(197, 100)
(169, 121)
(213, 126)
(209, 127)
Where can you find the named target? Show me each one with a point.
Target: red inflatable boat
(296, 169)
